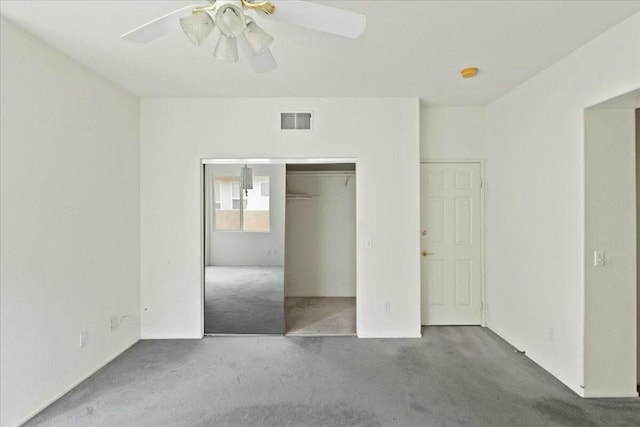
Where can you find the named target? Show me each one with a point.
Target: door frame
(269, 161)
(483, 207)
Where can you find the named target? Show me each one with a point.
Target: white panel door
(451, 244)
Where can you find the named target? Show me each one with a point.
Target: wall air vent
(295, 121)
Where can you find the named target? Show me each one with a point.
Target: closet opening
(320, 249)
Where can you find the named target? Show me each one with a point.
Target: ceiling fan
(235, 20)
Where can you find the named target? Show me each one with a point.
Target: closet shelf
(293, 196)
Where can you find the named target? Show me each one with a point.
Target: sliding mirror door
(244, 214)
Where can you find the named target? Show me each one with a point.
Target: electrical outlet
(84, 339)
(115, 323)
(550, 333)
(387, 307)
(369, 244)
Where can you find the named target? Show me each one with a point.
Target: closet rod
(322, 173)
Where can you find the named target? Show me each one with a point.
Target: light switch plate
(598, 258)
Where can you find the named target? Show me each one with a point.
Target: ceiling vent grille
(295, 121)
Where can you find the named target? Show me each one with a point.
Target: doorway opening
(611, 280)
(320, 249)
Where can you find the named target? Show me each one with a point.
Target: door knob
(424, 232)
(425, 253)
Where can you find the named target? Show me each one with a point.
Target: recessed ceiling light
(468, 73)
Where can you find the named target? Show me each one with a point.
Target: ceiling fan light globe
(230, 20)
(258, 39)
(197, 26)
(227, 49)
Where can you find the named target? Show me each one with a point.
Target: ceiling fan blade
(318, 17)
(261, 63)
(158, 27)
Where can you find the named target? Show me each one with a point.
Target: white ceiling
(410, 48)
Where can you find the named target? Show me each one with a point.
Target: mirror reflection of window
(217, 194)
(235, 195)
(235, 211)
(227, 206)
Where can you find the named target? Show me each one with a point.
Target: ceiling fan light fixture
(226, 49)
(230, 20)
(238, 31)
(197, 26)
(258, 39)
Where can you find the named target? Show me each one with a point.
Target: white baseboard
(75, 384)
(498, 333)
(173, 337)
(162, 334)
(609, 395)
(365, 336)
(576, 389)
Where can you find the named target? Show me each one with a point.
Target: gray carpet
(327, 316)
(453, 376)
(244, 300)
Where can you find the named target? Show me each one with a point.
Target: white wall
(610, 225)
(535, 199)
(452, 133)
(70, 222)
(321, 235)
(251, 248)
(177, 133)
